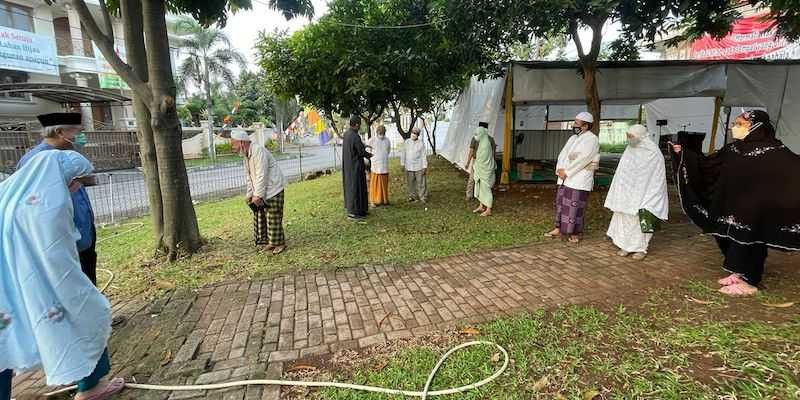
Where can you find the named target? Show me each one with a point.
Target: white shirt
(264, 177)
(576, 159)
(414, 156)
(380, 148)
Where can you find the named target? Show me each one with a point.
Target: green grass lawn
(227, 159)
(320, 237)
(681, 343)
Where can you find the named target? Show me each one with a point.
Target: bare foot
(477, 210)
(487, 213)
(731, 279)
(574, 239)
(739, 289)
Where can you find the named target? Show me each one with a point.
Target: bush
(272, 145)
(224, 148)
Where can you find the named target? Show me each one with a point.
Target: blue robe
(51, 315)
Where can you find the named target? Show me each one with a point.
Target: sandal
(623, 253)
(739, 289)
(552, 234)
(113, 387)
(731, 279)
(639, 256)
(278, 250)
(574, 239)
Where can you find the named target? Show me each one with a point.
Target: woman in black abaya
(747, 195)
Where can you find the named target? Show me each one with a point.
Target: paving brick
(372, 340)
(189, 348)
(315, 351)
(213, 377)
(284, 355)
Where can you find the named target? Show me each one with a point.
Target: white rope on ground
(424, 394)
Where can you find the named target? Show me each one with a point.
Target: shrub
(223, 148)
(272, 145)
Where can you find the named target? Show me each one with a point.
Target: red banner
(749, 38)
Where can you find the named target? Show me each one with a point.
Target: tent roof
(64, 94)
(650, 63)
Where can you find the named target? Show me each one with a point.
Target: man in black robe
(354, 178)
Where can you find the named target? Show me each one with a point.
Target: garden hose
(424, 394)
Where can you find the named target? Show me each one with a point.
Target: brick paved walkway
(249, 330)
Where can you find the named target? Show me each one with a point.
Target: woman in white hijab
(639, 188)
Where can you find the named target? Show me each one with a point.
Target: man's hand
(676, 148)
(258, 201)
(561, 173)
(75, 185)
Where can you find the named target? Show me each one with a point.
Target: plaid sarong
(268, 221)
(570, 210)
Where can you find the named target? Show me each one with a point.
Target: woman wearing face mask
(747, 195)
(575, 169)
(640, 183)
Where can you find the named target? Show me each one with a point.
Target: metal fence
(123, 194)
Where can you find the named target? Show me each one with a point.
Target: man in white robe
(414, 160)
(640, 183)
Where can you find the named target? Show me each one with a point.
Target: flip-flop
(278, 250)
(574, 240)
(739, 289)
(731, 279)
(639, 256)
(551, 235)
(114, 386)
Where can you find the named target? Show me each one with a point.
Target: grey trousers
(417, 185)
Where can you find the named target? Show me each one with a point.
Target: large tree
(209, 58)
(257, 104)
(148, 72)
(486, 26)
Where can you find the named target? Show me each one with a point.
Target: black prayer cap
(483, 124)
(355, 120)
(53, 119)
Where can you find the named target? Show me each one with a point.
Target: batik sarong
(570, 210)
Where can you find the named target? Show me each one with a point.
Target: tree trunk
(399, 123)
(181, 233)
(591, 93)
(134, 43)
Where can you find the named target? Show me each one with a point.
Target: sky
(243, 27)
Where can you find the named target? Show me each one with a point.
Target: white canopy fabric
(480, 101)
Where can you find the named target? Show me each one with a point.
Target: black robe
(748, 192)
(354, 175)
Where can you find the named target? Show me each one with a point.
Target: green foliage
(344, 69)
(272, 145)
(256, 103)
(223, 148)
(786, 14)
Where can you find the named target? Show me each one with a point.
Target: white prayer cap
(240, 134)
(638, 131)
(585, 117)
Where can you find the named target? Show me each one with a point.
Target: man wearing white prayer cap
(575, 170)
(637, 193)
(265, 186)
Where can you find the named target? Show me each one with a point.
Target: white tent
(687, 94)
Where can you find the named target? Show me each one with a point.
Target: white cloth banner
(27, 51)
(480, 101)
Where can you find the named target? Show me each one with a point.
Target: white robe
(639, 183)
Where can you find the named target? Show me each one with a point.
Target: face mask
(740, 132)
(80, 141)
(414, 137)
(577, 130)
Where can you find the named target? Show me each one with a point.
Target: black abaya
(354, 178)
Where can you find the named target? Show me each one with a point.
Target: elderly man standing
(575, 170)
(415, 160)
(265, 187)
(380, 147)
(638, 193)
(62, 131)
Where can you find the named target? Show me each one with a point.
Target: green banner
(111, 81)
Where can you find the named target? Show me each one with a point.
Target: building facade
(41, 43)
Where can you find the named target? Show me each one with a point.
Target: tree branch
(106, 47)
(597, 39)
(107, 20)
(573, 31)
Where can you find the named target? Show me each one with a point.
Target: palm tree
(209, 55)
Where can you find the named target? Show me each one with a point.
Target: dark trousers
(745, 260)
(88, 259)
(102, 369)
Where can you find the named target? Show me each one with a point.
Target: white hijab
(641, 179)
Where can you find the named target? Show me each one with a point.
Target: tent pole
(715, 125)
(641, 111)
(509, 115)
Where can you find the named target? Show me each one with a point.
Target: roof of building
(64, 94)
